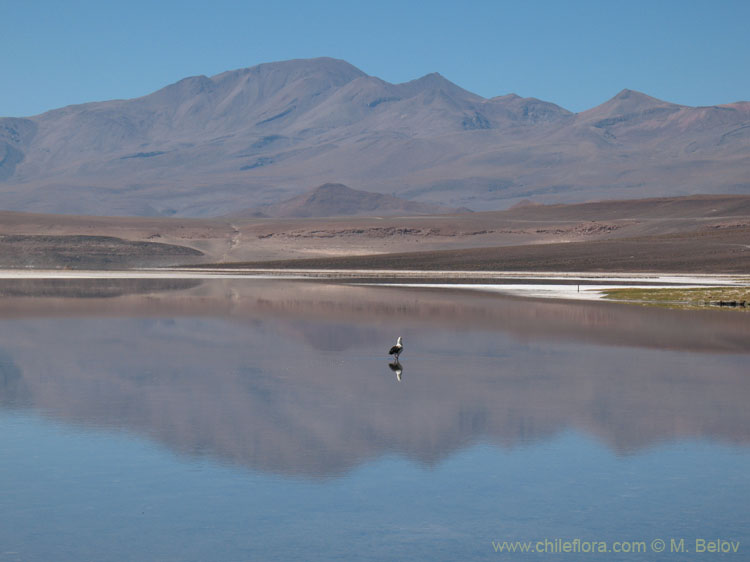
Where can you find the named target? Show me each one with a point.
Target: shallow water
(238, 420)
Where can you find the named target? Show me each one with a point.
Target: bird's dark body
(396, 349)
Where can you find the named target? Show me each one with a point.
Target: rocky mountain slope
(257, 136)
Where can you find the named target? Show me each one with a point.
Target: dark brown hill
(335, 200)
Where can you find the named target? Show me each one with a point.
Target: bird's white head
(399, 340)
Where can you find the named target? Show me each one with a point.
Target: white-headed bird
(396, 349)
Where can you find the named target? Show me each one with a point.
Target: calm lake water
(260, 420)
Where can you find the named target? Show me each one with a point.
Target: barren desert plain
(705, 235)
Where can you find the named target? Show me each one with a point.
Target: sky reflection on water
(237, 420)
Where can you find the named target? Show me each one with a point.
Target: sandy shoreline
(556, 285)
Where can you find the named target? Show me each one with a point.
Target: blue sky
(575, 53)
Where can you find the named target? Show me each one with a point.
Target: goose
(396, 349)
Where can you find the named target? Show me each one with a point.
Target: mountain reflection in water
(292, 377)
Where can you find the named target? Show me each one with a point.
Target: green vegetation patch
(736, 298)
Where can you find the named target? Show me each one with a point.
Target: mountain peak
(628, 102)
(436, 81)
(634, 98)
(433, 79)
(331, 190)
(530, 110)
(337, 199)
(626, 93)
(299, 67)
(507, 97)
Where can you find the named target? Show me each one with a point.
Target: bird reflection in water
(396, 368)
(396, 351)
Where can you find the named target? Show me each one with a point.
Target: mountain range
(208, 146)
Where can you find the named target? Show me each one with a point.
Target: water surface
(260, 420)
